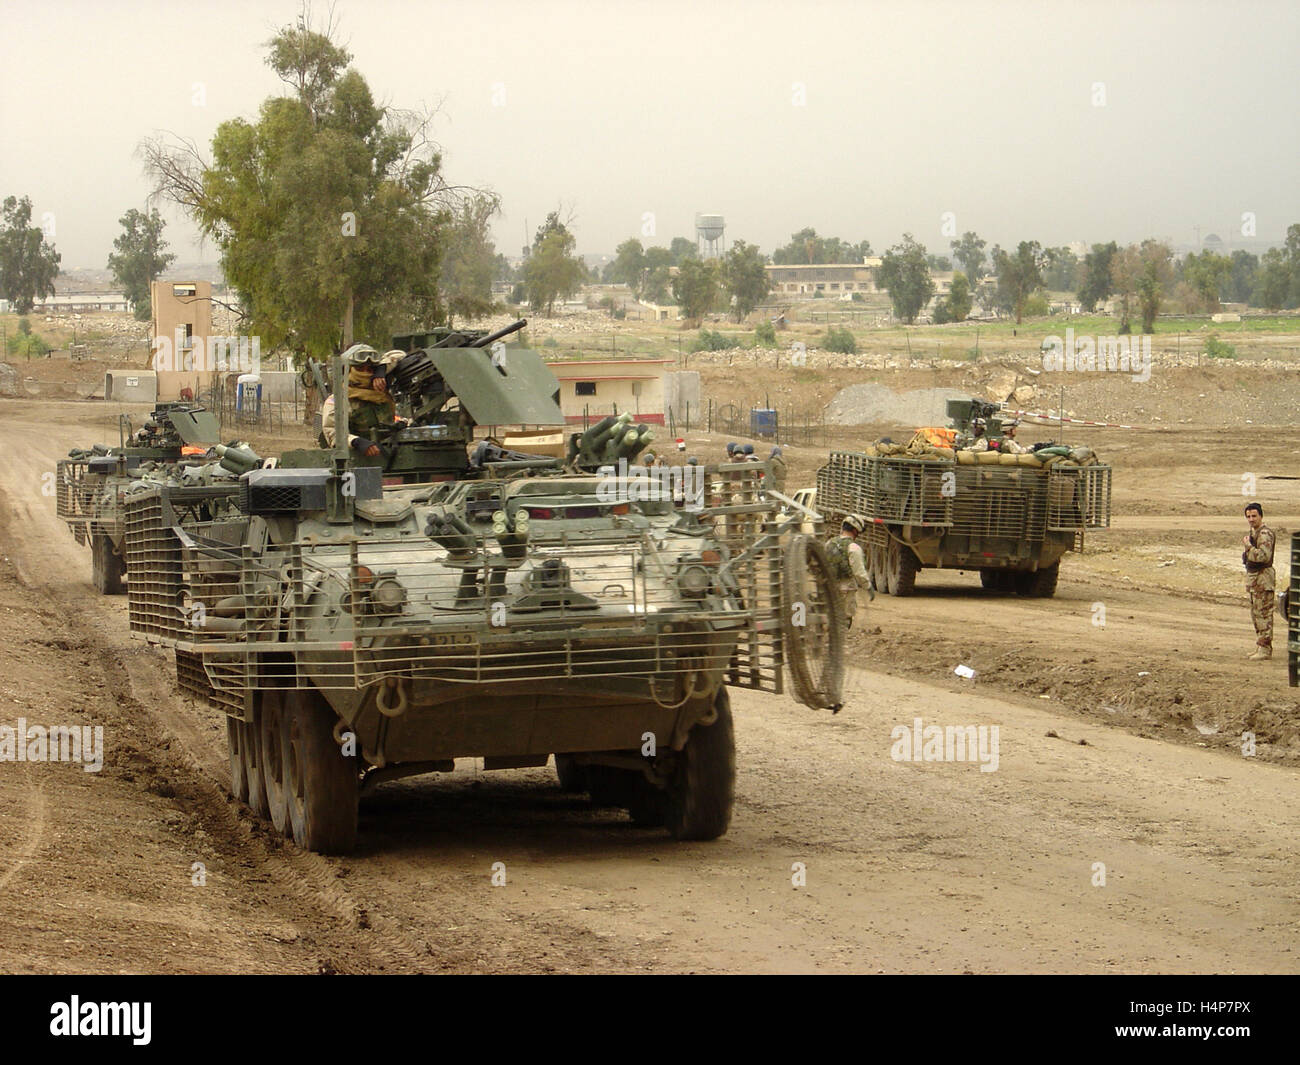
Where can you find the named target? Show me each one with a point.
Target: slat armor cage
(352, 612)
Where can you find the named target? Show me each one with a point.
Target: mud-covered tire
(108, 570)
(253, 763)
(812, 625)
(1041, 583)
(903, 566)
(702, 791)
(321, 783)
(236, 738)
(571, 775)
(270, 757)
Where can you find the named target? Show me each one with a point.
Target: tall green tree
(1097, 284)
(969, 251)
(657, 281)
(695, 287)
(1208, 274)
(744, 273)
(906, 277)
(1154, 276)
(629, 265)
(328, 208)
(470, 259)
(1272, 281)
(807, 247)
(552, 271)
(1242, 281)
(955, 307)
(28, 265)
(1019, 275)
(140, 257)
(1061, 272)
(681, 249)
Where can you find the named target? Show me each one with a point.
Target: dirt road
(908, 866)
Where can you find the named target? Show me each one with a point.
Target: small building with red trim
(592, 388)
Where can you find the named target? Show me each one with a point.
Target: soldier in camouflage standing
(848, 564)
(1260, 579)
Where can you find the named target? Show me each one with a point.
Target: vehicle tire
(811, 626)
(572, 776)
(903, 568)
(989, 579)
(647, 805)
(884, 576)
(270, 757)
(1041, 583)
(253, 762)
(107, 569)
(236, 737)
(321, 783)
(700, 797)
(998, 581)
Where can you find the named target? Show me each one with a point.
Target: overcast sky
(1046, 121)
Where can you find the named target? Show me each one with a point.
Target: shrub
(1218, 349)
(840, 340)
(1036, 306)
(550, 342)
(765, 333)
(708, 340)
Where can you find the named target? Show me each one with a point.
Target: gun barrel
(504, 331)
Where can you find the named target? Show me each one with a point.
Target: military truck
(482, 604)
(90, 483)
(1011, 517)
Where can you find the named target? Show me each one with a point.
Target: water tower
(708, 234)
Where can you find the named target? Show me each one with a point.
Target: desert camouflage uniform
(848, 563)
(1260, 584)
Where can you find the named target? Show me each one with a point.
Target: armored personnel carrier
(1011, 517)
(90, 483)
(359, 620)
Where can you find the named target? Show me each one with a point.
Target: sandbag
(965, 458)
(987, 458)
(1028, 460)
(1008, 460)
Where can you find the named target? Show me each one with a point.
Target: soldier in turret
(1010, 445)
(370, 406)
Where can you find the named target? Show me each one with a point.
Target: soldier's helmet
(360, 354)
(856, 522)
(1013, 424)
(978, 423)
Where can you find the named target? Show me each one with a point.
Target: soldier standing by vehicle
(848, 564)
(370, 406)
(1260, 579)
(776, 470)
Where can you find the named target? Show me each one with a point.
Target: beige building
(830, 279)
(182, 317)
(592, 388)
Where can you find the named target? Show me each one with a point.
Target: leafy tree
(328, 206)
(1242, 280)
(1154, 275)
(696, 287)
(28, 266)
(1097, 284)
(1207, 274)
(657, 286)
(1273, 281)
(629, 265)
(1125, 266)
(552, 271)
(1019, 275)
(938, 262)
(955, 307)
(140, 257)
(470, 259)
(906, 277)
(1061, 274)
(682, 248)
(807, 247)
(969, 251)
(840, 340)
(765, 334)
(744, 273)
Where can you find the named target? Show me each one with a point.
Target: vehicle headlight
(387, 596)
(693, 581)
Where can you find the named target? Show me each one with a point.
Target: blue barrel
(762, 422)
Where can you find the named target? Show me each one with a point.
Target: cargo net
(649, 611)
(983, 501)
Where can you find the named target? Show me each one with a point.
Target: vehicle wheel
(573, 777)
(811, 625)
(270, 757)
(321, 783)
(253, 761)
(235, 740)
(1292, 669)
(903, 567)
(1041, 583)
(704, 783)
(997, 580)
(107, 569)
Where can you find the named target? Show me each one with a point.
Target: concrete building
(592, 388)
(82, 303)
(830, 279)
(182, 318)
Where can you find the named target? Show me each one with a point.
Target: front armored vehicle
(372, 616)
